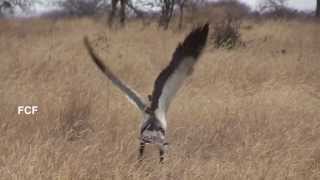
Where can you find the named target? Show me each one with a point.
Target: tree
(276, 8)
(139, 13)
(82, 7)
(114, 3)
(272, 5)
(318, 8)
(24, 5)
(166, 12)
(6, 9)
(181, 4)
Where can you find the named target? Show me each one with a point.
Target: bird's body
(154, 124)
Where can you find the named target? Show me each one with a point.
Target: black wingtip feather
(194, 42)
(93, 56)
(192, 46)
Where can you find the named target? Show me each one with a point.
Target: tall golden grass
(248, 113)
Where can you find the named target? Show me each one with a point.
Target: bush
(233, 7)
(82, 7)
(284, 12)
(226, 33)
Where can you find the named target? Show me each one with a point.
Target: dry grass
(249, 113)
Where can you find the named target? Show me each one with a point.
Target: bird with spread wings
(168, 82)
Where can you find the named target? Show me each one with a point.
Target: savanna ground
(248, 113)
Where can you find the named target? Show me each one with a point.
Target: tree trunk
(166, 13)
(123, 11)
(181, 7)
(112, 12)
(318, 8)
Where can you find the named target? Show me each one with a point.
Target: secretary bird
(154, 124)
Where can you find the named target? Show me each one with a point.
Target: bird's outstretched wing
(131, 94)
(171, 78)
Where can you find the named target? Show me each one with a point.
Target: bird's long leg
(141, 150)
(161, 155)
(162, 150)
